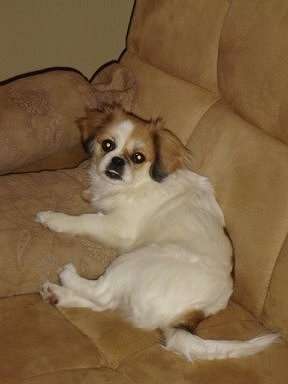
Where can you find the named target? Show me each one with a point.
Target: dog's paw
(68, 267)
(68, 276)
(43, 216)
(48, 292)
(55, 221)
(57, 295)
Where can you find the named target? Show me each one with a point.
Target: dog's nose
(118, 161)
(115, 168)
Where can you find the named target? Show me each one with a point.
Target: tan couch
(217, 71)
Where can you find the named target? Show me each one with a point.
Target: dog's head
(127, 148)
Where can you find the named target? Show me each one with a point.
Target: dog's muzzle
(115, 168)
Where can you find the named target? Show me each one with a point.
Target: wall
(83, 34)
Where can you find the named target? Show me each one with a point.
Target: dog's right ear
(87, 134)
(90, 125)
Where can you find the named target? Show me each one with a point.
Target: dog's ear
(94, 120)
(88, 133)
(170, 154)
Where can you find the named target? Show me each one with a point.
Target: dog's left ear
(88, 132)
(171, 154)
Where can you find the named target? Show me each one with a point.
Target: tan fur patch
(141, 140)
(160, 146)
(189, 321)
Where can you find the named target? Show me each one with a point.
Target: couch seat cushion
(46, 345)
(79, 376)
(114, 337)
(155, 365)
(38, 340)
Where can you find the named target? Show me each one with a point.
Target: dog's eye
(108, 145)
(138, 157)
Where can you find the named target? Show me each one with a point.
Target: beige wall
(83, 34)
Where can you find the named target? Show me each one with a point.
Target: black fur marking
(157, 172)
(88, 144)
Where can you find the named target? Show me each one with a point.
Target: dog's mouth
(112, 174)
(115, 168)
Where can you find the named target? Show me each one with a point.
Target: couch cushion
(38, 116)
(79, 376)
(276, 305)
(253, 63)
(180, 40)
(114, 337)
(249, 170)
(119, 341)
(44, 345)
(157, 366)
(31, 254)
(139, 357)
(39, 341)
(158, 93)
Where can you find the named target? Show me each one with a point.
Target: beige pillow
(37, 116)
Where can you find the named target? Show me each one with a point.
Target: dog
(175, 263)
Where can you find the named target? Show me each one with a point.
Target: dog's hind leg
(64, 297)
(95, 291)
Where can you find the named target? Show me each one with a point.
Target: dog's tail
(194, 347)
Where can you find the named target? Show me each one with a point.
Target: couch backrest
(253, 63)
(217, 71)
(164, 34)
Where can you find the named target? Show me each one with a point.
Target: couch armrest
(38, 116)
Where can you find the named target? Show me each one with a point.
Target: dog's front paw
(55, 221)
(43, 216)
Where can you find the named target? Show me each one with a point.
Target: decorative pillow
(38, 113)
(37, 116)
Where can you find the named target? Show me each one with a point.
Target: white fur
(175, 257)
(120, 133)
(193, 347)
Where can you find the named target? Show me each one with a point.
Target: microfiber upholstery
(38, 116)
(216, 72)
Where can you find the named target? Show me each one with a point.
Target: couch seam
(271, 276)
(105, 361)
(147, 62)
(136, 353)
(103, 357)
(70, 370)
(219, 45)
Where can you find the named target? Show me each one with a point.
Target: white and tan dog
(176, 261)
